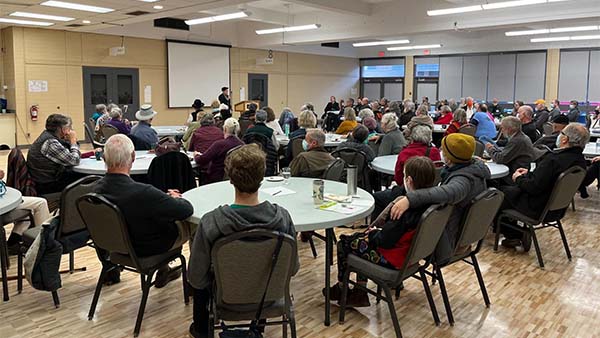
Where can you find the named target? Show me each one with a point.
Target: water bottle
(287, 129)
(352, 179)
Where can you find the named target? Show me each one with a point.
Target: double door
(104, 85)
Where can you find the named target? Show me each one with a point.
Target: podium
(241, 107)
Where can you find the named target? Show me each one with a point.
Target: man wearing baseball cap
(541, 115)
(558, 124)
(463, 178)
(143, 132)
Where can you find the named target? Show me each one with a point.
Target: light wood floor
(561, 301)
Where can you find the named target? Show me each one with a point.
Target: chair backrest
(171, 170)
(564, 189)
(296, 144)
(479, 217)
(335, 170)
(479, 148)
(427, 234)
(70, 219)
(244, 259)
(108, 130)
(244, 125)
(547, 128)
(88, 132)
(468, 129)
(358, 158)
(106, 224)
(267, 146)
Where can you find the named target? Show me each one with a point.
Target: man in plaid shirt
(50, 156)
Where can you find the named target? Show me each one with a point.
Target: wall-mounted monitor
(379, 71)
(427, 70)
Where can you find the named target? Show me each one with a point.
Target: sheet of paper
(148, 94)
(342, 208)
(361, 203)
(277, 191)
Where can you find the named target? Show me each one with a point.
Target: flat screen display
(383, 71)
(427, 70)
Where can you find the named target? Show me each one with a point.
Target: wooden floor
(561, 301)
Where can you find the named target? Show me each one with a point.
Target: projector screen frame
(194, 43)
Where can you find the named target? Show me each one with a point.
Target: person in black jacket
(224, 97)
(495, 108)
(558, 124)
(531, 190)
(150, 214)
(386, 242)
(573, 113)
(525, 114)
(541, 115)
(332, 105)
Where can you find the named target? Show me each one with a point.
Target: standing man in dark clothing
(224, 97)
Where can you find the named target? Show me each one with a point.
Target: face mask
(571, 106)
(558, 141)
(552, 105)
(304, 145)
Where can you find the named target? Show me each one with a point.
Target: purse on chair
(167, 145)
(254, 331)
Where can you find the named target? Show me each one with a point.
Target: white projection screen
(196, 71)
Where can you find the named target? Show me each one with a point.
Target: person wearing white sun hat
(143, 131)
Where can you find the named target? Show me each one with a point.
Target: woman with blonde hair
(349, 122)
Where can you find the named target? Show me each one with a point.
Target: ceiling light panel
(209, 19)
(380, 43)
(287, 29)
(489, 6)
(415, 47)
(41, 16)
(76, 6)
(508, 4)
(26, 22)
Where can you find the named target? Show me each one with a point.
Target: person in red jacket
(385, 242)
(446, 116)
(206, 135)
(459, 119)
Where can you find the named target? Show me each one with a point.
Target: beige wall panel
(138, 52)
(8, 129)
(552, 71)
(157, 78)
(73, 45)
(409, 74)
(45, 46)
(278, 92)
(317, 64)
(317, 89)
(75, 97)
(234, 59)
(248, 57)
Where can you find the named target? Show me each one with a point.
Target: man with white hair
(315, 159)
(143, 131)
(518, 152)
(525, 114)
(150, 214)
(531, 189)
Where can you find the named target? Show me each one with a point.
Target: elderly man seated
(525, 114)
(551, 141)
(52, 154)
(143, 131)
(260, 127)
(150, 214)
(245, 168)
(518, 152)
(315, 159)
(531, 189)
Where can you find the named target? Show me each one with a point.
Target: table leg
(328, 260)
(4, 264)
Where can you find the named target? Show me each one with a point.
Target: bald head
(525, 114)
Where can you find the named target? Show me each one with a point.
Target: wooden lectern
(241, 107)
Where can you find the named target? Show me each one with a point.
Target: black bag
(254, 331)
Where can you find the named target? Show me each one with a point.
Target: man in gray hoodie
(463, 178)
(245, 168)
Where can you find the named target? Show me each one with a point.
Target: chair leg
(312, 246)
(292, 320)
(497, 237)
(284, 326)
(97, 292)
(564, 239)
(434, 312)
(538, 252)
(4, 264)
(20, 270)
(392, 309)
(573, 204)
(344, 296)
(71, 262)
(378, 294)
(445, 298)
(486, 299)
(186, 287)
(145, 291)
(55, 299)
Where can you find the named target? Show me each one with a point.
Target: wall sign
(38, 86)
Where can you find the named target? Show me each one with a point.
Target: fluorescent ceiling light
(216, 18)
(517, 3)
(41, 16)
(415, 47)
(149, 0)
(158, 7)
(380, 43)
(558, 38)
(574, 29)
(529, 32)
(79, 7)
(455, 10)
(489, 6)
(585, 37)
(26, 22)
(287, 29)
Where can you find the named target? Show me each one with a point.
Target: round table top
(387, 165)
(11, 200)
(169, 130)
(331, 140)
(591, 150)
(595, 132)
(300, 204)
(143, 158)
(437, 128)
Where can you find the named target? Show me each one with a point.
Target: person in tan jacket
(315, 159)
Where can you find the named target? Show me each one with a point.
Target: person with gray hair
(446, 115)
(153, 217)
(459, 119)
(518, 151)
(207, 134)
(116, 120)
(214, 157)
(260, 127)
(52, 154)
(393, 141)
(530, 190)
(407, 114)
(100, 110)
(525, 114)
(364, 113)
(315, 159)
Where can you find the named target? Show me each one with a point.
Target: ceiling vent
(331, 44)
(137, 13)
(171, 23)
(74, 25)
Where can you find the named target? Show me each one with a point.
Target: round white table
(387, 165)
(169, 130)
(331, 140)
(143, 158)
(300, 206)
(437, 128)
(10, 201)
(591, 150)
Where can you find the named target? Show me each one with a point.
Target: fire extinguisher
(33, 112)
